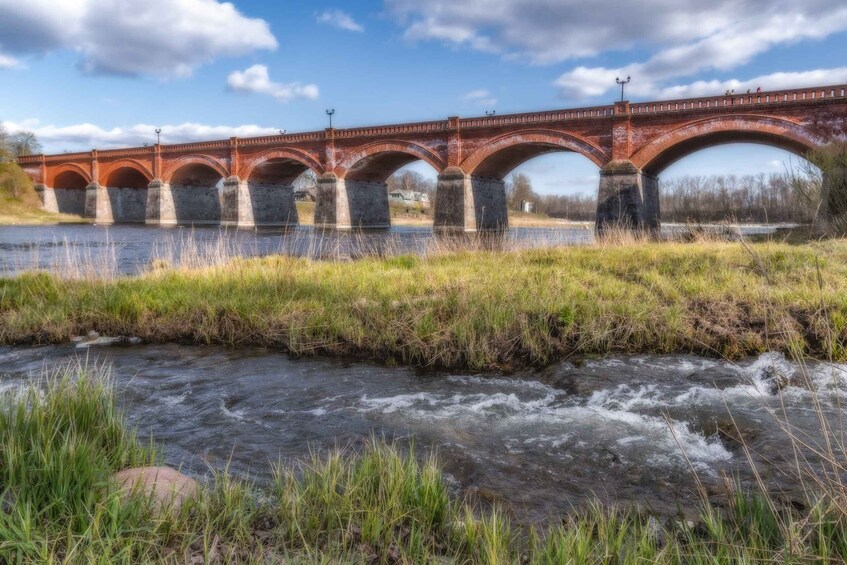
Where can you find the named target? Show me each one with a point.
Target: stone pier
(628, 199)
(98, 206)
(160, 204)
(48, 198)
(464, 203)
(346, 204)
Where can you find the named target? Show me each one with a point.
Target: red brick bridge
(249, 181)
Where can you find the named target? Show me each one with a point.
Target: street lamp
(622, 83)
(491, 113)
(330, 113)
(282, 132)
(158, 133)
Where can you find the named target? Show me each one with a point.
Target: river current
(621, 429)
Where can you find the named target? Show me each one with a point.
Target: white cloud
(7, 62)
(481, 97)
(775, 81)
(83, 137)
(155, 37)
(257, 80)
(685, 37)
(339, 19)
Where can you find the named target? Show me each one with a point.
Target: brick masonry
(631, 143)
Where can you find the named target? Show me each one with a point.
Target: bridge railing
(745, 99)
(417, 127)
(282, 138)
(538, 117)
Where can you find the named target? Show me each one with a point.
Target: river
(623, 429)
(128, 249)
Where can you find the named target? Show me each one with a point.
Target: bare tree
(24, 143)
(518, 190)
(5, 153)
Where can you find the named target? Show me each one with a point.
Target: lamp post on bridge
(491, 113)
(330, 113)
(623, 83)
(158, 133)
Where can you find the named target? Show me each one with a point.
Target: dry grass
(465, 309)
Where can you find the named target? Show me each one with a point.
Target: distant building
(527, 206)
(409, 197)
(305, 194)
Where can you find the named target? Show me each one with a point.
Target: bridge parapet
(537, 117)
(282, 139)
(127, 152)
(415, 127)
(194, 147)
(748, 99)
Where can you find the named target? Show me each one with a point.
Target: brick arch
(669, 147)
(502, 154)
(297, 155)
(107, 170)
(214, 164)
(72, 167)
(378, 161)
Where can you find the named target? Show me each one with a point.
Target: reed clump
(464, 309)
(63, 438)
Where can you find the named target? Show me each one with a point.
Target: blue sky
(106, 73)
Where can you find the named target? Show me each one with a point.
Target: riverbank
(414, 218)
(64, 440)
(468, 309)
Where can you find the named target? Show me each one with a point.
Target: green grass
(62, 440)
(467, 310)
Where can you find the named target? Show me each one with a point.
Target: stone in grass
(167, 487)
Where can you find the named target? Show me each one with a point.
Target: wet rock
(167, 487)
(732, 434)
(774, 379)
(657, 531)
(104, 340)
(92, 335)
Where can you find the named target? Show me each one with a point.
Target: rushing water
(129, 249)
(626, 429)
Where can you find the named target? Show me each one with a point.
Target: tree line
(791, 196)
(17, 144)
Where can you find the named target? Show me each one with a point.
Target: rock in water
(168, 487)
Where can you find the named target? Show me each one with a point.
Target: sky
(83, 73)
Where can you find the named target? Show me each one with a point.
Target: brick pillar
(464, 203)
(628, 199)
(98, 206)
(160, 204)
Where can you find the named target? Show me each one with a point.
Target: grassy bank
(467, 309)
(61, 443)
(19, 203)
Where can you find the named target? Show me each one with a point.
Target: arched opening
(411, 194)
(681, 149)
(196, 191)
(743, 182)
(523, 179)
(127, 191)
(70, 192)
(276, 185)
(366, 177)
(553, 189)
